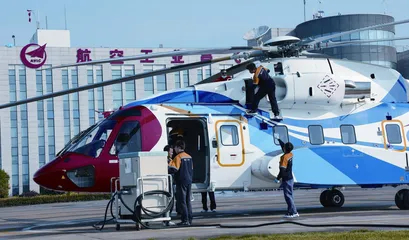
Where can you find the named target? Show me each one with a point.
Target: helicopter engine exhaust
(357, 89)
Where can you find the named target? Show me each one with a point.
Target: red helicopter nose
(48, 176)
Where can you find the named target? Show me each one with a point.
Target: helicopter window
(229, 135)
(316, 134)
(348, 134)
(83, 177)
(393, 133)
(128, 138)
(282, 132)
(92, 142)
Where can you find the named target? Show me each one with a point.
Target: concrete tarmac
(243, 209)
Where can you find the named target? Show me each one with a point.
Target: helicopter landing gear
(402, 199)
(332, 198)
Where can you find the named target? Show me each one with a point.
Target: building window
(40, 119)
(66, 107)
(50, 114)
(24, 131)
(229, 135)
(282, 132)
(225, 66)
(177, 80)
(199, 74)
(161, 83)
(91, 102)
(129, 85)
(75, 103)
(393, 133)
(208, 72)
(14, 133)
(348, 134)
(185, 78)
(316, 134)
(117, 88)
(148, 83)
(100, 92)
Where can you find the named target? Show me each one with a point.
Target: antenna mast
(304, 10)
(65, 17)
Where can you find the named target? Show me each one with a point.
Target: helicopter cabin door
(227, 162)
(229, 143)
(394, 140)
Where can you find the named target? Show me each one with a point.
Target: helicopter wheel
(402, 199)
(332, 198)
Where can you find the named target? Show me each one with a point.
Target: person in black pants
(266, 85)
(212, 202)
(182, 166)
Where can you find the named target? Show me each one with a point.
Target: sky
(176, 23)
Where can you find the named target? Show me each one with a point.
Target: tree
(4, 184)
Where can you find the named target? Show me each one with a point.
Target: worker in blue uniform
(182, 166)
(267, 86)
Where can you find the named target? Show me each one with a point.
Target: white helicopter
(346, 120)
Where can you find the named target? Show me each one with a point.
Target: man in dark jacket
(182, 166)
(286, 165)
(266, 85)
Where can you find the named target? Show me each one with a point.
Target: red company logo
(33, 55)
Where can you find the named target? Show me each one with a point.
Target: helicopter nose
(48, 177)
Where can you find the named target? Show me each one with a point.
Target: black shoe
(252, 111)
(277, 118)
(183, 224)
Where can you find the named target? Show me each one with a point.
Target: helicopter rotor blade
(124, 79)
(337, 44)
(230, 71)
(166, 54)
(321, 39)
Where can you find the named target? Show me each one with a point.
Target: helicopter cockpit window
(128, 139)
(92, 143)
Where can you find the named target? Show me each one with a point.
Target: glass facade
(15, 173)
(116, 88)
(75, 103)
(91, 103)
(100, 92)
(403, 64)
(50, 115)
(129, 85)
(204, 71)
(40, 119)
(66, 107)
(185, 78)
(177, 80)
(24, 130)
(381, 53)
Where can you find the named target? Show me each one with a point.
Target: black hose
(138, 207)
(105, 216)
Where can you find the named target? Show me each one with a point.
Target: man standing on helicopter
(266, 85)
